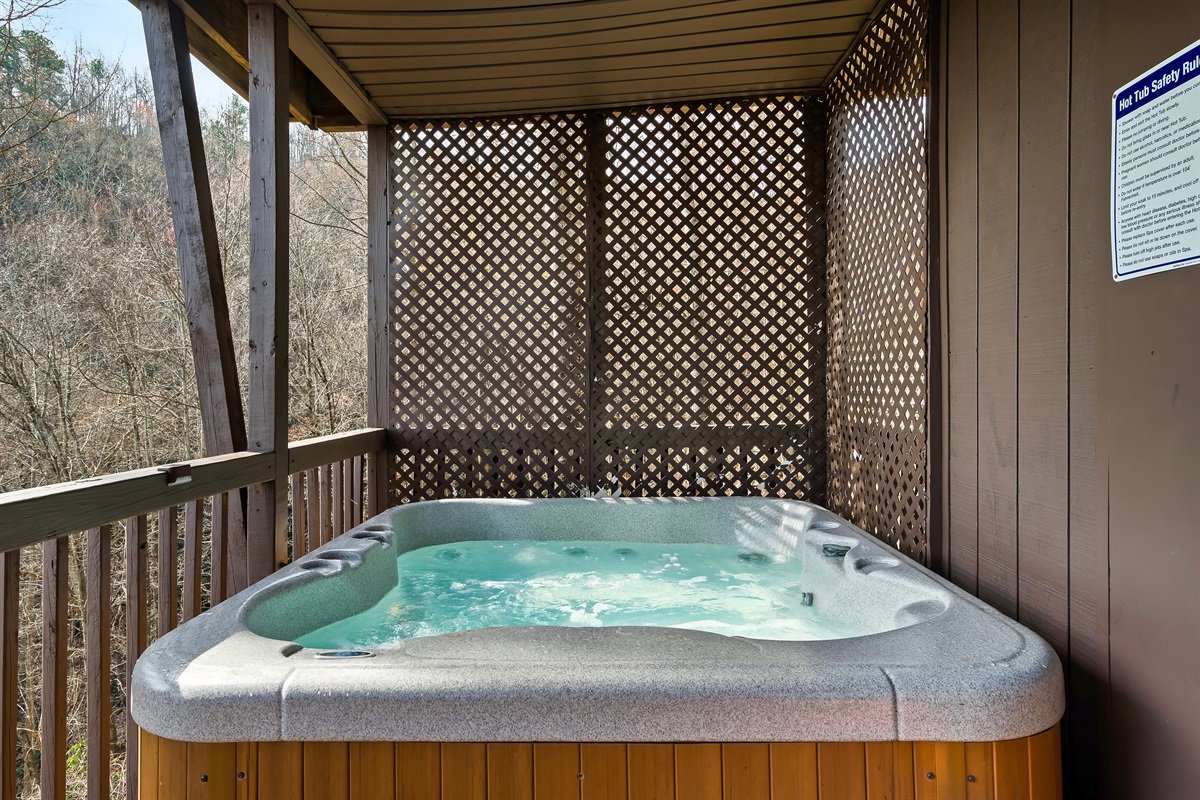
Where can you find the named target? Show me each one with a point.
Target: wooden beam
(195, 228)
(379, 269)
(266, 546)
(329, 69)
(216, 31)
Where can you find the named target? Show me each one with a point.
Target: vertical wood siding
(1060, 379)
(1021, 768)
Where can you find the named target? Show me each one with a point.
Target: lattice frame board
(878, 281)
(639, 305)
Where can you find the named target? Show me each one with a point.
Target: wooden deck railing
(118, 537)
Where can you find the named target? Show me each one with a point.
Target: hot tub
(914, 660)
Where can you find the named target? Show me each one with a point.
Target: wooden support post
(268, 429)
(195, 227)
(379, 268)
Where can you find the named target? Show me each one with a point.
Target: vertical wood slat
(299, 539)
(950, 760)
(98, 622)
(605, 771)
(418, 770)
(1045, 765)
(926, 780)
(147, 777)
(246, 763)
(794, 770)
(312, 509)
(211, 771)
(509, 770)
(339, 499)
(698, 771)
(1010, 765)
(555, 771)
(325, 503)
(841, 770)
(464, 770)
(267, 424)
(136, 585)
(193, 520)
(280, 769)
(54, 668)
(326, 770)
(356, 492)
(347, 495)
(651, 771)
(962, 286)
(168, 555)
(998, 518)
(219, 555)
(10, 619)
(372, 768)
(881, 763)
(978, 757)
(746, 771)
(1043, 176)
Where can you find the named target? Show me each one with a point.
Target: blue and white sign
(1156, 169)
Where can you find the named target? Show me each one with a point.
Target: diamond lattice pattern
(624, 299)
(878, 300)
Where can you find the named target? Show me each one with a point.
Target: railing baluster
(339, 499)
(218, 580)
(10, 618)
(326, 501)
(356, 492)
(54, 669)
(298, 549)
(193, 512)
(98, 621)
(168, 552)
(135, 634)
(312, 502)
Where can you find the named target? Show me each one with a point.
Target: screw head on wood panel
(204, 779)
(929, 776)
(970, 779)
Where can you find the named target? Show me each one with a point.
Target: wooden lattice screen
(878, 302)
(627, 299)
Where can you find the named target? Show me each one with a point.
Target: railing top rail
(31, 516)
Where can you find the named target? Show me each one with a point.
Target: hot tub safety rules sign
(1156, 169)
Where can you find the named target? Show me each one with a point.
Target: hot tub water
(463, 586)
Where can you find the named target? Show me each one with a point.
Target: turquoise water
(467, 585)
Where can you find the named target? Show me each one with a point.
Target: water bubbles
(754, 558)
(449, 554)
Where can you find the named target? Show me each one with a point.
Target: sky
(113, 28)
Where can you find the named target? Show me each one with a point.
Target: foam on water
(467, 585)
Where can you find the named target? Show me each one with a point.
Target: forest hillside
(96, 371)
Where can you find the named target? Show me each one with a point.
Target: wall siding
(1071, 412)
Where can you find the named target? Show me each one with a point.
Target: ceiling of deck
(446, 58)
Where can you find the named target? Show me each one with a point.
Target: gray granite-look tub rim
(962, 672)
